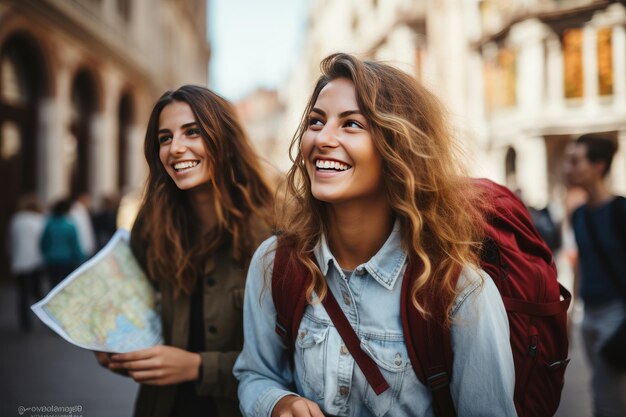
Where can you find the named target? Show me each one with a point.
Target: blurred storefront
(77, 81)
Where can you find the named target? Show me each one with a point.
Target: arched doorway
(79, 158)
(23, 82)
(125, 121)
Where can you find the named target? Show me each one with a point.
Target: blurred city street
(576, 397)
(42, 369)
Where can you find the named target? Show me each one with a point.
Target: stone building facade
(77, 81)
(520, 78)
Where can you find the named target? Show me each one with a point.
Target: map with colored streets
(107, 304)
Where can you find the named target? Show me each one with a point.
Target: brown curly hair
(427, 189)
(241, 196)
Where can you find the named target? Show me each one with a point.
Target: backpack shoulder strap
(289, 283)
(367, 365)
(430, 349)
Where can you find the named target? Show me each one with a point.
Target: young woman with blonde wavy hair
(375, 184)
(206, 208)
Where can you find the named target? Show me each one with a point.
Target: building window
(489, 76)
(500, 74)
(507, 64)
(573, 63)
(605, 61)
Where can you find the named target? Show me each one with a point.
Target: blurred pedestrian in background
(25, 230)
(206, 208)
(599, 226)
(81, 216)
(59, 243)
(105, 220)
(548, 228)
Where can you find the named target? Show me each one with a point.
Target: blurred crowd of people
(47, 245)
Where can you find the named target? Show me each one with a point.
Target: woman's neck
(356, 232)
(202, 203)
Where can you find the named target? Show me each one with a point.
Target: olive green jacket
(223, 286)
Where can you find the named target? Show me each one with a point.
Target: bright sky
(255, 43)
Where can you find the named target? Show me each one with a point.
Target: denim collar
(385, 267)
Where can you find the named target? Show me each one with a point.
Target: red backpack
(520, 264)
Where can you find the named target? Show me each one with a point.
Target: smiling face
(340, 157)
(182, 149)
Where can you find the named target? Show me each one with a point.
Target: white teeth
(185, 164)
(331, 165)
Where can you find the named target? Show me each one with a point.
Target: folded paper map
(107, 304)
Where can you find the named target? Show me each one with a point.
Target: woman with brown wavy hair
(376, 184)
(206, 208)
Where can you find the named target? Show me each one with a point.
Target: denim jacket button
(360, 271)
(346, 298)
(343, 390)
(344, 350)
(398, 359)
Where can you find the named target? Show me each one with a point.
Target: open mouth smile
(184, 166)
(330, 165)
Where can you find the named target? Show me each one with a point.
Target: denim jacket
(324, 371)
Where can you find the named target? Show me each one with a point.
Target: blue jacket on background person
(59, 244)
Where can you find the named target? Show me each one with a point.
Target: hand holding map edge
(158, 365)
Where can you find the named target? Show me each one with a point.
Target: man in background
(601, 239)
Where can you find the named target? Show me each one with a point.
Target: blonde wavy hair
(425, 184)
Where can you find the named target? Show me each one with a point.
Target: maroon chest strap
(367, 365)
